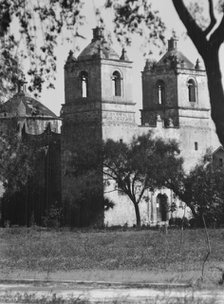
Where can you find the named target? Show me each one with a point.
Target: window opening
(191, 90)
(220, 162)
(84, 83)
(162, 207)
(196, 146)
(116, 78)
(161, 92)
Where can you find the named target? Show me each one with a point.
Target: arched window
(191, 90)
(116, 78)
(84, 84)
(160, 88)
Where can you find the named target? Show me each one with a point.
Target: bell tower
(176, 102)
(98, 105)
(172, 88)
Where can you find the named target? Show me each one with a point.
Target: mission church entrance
(162, 207)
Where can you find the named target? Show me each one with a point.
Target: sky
(54, 98)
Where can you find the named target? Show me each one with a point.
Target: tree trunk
(216, 93)
(138, 217)
(209, 50)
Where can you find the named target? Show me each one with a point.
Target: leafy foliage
(31, 30)
(145, 163)
(202, 189)
(207, 191)
(16, 162)
(136, 17)
(38, 24)
(25, 167)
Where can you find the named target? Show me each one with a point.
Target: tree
(202, 189)
(16, 161)
(143, 164)
(25, 169)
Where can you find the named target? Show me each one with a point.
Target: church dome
(98, 48)
(174, 58)
(22, 105)
(29, 115)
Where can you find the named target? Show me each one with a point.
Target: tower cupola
(97, 33)
(98, 48)
(172, 44)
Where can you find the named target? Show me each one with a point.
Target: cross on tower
(21, 85)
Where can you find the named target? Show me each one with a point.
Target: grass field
(149, 251)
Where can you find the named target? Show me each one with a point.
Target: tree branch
(133, 183)
(124, 184)
(128, 184)
(142, 192)
(105, 192)
(110, 172)
(212, 18)
(194, 31)
(217, 37)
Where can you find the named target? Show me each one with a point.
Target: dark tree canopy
(16, 162)
(202, 189)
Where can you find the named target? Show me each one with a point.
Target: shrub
(53, 217)
(179, 222)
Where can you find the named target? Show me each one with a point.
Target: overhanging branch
(194, 31)
(217, 37)
(212, 18)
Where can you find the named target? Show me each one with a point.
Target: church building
(99, 106)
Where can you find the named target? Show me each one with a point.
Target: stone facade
(175, 106)
(97, 106)
(183, 105)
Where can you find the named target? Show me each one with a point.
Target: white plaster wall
(123, 213)
(202, 96)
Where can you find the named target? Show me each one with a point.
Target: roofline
(217, 149)
(33, 116)
(179, 70)
(100, 59)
